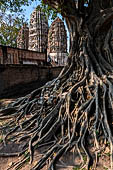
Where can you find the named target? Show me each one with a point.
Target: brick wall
(19, 79)
(10, 55)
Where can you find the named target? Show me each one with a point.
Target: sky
(29, 10)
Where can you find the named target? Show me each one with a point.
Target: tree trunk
(75, 109)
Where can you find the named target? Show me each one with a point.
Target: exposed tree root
(72, 111)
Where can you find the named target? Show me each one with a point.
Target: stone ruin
(39, 37)
(57, 42)
(23, 37)
(38, 31)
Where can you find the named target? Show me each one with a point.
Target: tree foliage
(14, 5)
(10, 25)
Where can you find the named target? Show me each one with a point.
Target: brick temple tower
(23, 37)
(57, 43)
(38, 31)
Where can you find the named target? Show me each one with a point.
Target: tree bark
(75, 109)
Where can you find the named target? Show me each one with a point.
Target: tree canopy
(10, 25)
(14, 5)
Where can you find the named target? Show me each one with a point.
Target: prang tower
(38, 31)
(57, 42)
(23, 37)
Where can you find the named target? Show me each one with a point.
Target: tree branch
(65, 7)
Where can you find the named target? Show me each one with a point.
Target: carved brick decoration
(38, 31)
(57, 43)
(23, 37)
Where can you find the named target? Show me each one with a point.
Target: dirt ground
(66, 163)
(69, 161)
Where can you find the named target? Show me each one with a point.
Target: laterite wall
(19, 79)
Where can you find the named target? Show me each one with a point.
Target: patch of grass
(108, 154)
(99, 154)
(1, 140)
(76, 168)
(28, 159)
(97, 132)
(26, 153)
(105, 168)
(108, 143)
(85, 158)
(36, 147)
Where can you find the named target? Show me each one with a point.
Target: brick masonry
(57, 43)
(10, 55)
(23, 37)
(38, 31)
(19, 79)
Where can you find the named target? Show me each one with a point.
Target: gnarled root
(72, 111)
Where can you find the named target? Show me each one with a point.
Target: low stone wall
(19, 79)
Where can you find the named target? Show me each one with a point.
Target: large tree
(76, 108)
